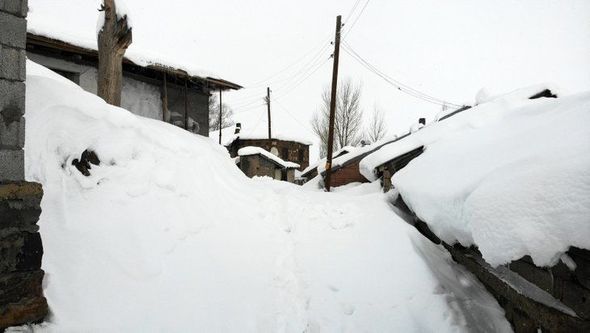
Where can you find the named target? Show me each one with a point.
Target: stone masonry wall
(21, 293)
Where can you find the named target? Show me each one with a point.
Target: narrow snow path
(168, 235)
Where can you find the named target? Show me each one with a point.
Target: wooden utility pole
(165, 111)
(113, 39)
(186, 104)
(268, 109)
(220, 114)
(328, 179)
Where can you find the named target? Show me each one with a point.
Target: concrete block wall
(21, 250)
(13, 34)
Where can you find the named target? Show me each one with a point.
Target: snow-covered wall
(141, 98)
(138, 97)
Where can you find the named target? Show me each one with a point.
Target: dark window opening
(301, 155)
(72, 76)
(285, 154)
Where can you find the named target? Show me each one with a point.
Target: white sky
(449, 49)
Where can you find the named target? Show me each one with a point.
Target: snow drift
(511, 176)
(166, 234)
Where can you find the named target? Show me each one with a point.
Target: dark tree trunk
(113, 40)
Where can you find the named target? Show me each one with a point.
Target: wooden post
(113, 39)
(220, 114)
(165, 111)
(333, 103)
(186, 104)
(268, 111)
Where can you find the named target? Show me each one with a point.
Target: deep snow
(168, 235)
(511, 175)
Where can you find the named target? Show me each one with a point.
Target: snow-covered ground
(511, 175)
(168, 235)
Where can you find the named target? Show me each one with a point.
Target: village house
(287, 148)
(255, 161)
(155, 91)
(312, 171)
(384, 163)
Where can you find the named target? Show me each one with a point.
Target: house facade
(257, 162)
(156, 91)
(287, 150)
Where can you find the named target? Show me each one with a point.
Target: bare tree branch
(377, 129)
(347, 121)
(226, 115)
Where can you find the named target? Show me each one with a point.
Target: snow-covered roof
(322, 161)
(510, 176)
(342, 160)
(251, 150)
(75, 22)
(432, 132)
(260, 133)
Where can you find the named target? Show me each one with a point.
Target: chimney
(238, 128)
(422, 121)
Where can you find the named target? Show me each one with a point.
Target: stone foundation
(21, 250)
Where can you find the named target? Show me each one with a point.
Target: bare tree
(348, 117)
(226, 115)
(113, 39)
(376, 129)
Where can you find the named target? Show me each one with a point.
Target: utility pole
(220, 114)
(333, 103)
(268, 109)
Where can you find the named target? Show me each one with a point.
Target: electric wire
(397, 84)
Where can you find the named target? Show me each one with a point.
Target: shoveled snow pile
(511, 176)
(250, 150)
(166, 234)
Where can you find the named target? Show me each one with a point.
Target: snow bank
(168, 235)
(250, 150)
(511, 176)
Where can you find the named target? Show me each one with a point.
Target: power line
(321, 47)
(356, 20)
(397, 84)
(292, 116)
(351, 11)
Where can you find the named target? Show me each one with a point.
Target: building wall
(288, 150)
(139, 97)
(346, 175)
(21, 292)
(198, 109)
(254, 165)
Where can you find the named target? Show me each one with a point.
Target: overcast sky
(448, 49)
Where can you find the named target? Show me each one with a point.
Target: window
(301, 155)
(72, 76)
(285, 154)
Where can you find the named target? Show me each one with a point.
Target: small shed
(286, 147)
(255, 161)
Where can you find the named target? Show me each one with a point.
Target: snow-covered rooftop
(357, 152)
(250, 150)
(432, 132)
(511, 175)
(75, 22)
(258, 133)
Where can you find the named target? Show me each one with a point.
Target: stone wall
(254, 165)
(21, 293)
(535, 299)
(287, 150)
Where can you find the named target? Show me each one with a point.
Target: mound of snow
(166, 234)
(511, 176)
